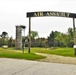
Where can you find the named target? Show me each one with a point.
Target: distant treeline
(55, 39)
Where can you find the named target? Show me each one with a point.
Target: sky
(13, 13)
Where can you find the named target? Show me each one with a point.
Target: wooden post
(29, 37)
(74, 36)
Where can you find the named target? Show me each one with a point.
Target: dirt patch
(57, 59)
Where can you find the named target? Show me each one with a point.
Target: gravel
(57, 59)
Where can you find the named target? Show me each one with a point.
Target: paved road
(24, 67)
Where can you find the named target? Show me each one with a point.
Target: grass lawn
(57, 51)
(11, 53)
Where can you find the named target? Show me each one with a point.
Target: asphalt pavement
(25, 67)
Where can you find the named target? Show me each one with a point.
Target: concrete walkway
(25, 67)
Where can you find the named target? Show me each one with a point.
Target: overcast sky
(13, 12)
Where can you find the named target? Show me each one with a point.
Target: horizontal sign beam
(51, 13)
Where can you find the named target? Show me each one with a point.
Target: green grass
(11, 53)
(57, 51)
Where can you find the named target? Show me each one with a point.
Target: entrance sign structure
(18, 42)
(50, 13)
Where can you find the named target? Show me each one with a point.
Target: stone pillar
(18, 43)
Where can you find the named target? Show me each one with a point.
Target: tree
(40, 42)
(4, 36)
(70, 33)
(10, 42)
(34, 34)
(58, 39)
(70, 37)
(51, 38)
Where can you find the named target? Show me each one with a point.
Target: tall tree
(70, 33)
(70, 37)
(51, 39)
